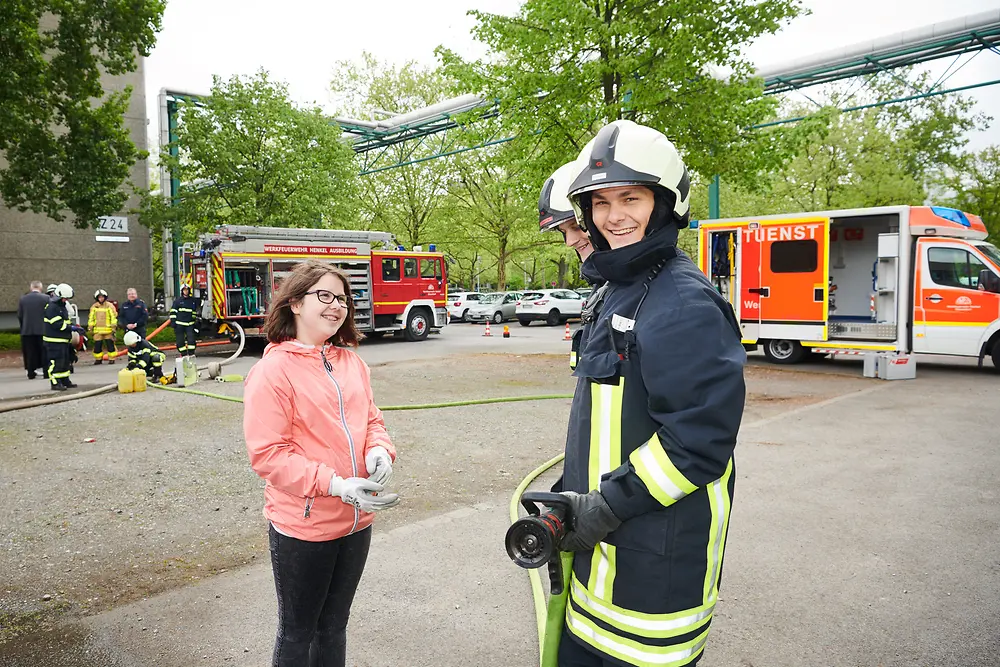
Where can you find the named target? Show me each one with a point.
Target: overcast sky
(298, 41)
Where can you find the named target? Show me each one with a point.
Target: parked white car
(554, 306)
(459, 304)
(497, 307)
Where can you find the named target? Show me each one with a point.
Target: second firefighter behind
(184, 318)
(57, 337)
(143, 354)
(101, 322)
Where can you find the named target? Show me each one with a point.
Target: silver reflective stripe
(660, 477)
(720, 508)
(631, 653)
(604, 451)
(638, 626)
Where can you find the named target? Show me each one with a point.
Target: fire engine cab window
(390, 269)
(794, 256)
(952, 267)
(430, 268)
(409, 268)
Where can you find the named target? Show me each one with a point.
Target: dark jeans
(315, 583)
(573, 654)
(31, 351)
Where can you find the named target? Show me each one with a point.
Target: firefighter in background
(101, 323)
(143, 354)
(183, 318)
(649, 471)
(556, 213)
(58, 338)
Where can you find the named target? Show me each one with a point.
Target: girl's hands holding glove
(362, 492)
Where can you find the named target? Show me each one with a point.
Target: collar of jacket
(632, 262)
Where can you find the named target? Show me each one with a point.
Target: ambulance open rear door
(784, 278)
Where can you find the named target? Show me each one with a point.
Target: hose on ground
(537, 593)
(389, 408)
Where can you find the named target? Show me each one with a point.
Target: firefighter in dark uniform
(556, 213)
(58, 337)
(649, 469)
(143, 354)
(183, 317)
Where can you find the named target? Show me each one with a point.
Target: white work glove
(361, 493)
(379, 465)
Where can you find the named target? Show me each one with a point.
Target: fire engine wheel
(497, 317)
(552, 319)
(781, 351)
(417, 325)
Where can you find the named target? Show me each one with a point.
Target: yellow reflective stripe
(652, 626)
(572, 359)
(661, 477)
(605, 456)
(52, 320)
(720, 503)
(631, 651)
(50, 339)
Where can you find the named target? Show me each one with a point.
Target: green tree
(564, 69)
(406, 200)
(501, 221)
(62, 136)
(248, 156)
(976, 187)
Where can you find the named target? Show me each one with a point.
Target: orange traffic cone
(487, 332)
(506, 331)
(567, 336)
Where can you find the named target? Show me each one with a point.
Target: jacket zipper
(343, 422)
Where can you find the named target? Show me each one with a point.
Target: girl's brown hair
(280, 322)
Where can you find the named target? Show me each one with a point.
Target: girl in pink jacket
(316, 437)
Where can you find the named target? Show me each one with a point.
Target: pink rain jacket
(309, 414)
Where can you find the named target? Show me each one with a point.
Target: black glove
(592, 520)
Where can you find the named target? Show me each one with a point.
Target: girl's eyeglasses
(325, 296)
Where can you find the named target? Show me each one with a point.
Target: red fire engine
(237, 270)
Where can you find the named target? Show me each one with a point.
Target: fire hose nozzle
(534, 540)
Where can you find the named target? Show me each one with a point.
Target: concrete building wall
(33, 247)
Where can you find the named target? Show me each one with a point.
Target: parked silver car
(496, 307)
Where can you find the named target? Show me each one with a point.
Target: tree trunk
(502, 265)
(562, 266)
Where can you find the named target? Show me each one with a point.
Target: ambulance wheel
(781, 351)
(418, 325)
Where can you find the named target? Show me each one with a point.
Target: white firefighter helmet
(553, 204)
(187, 287)
(51, 289)
(64, 291)
(625, 153)
(100, 293)
(131, 338)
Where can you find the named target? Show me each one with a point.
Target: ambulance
(237, 270)
(894, 280)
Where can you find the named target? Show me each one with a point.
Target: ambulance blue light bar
(952, 214)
